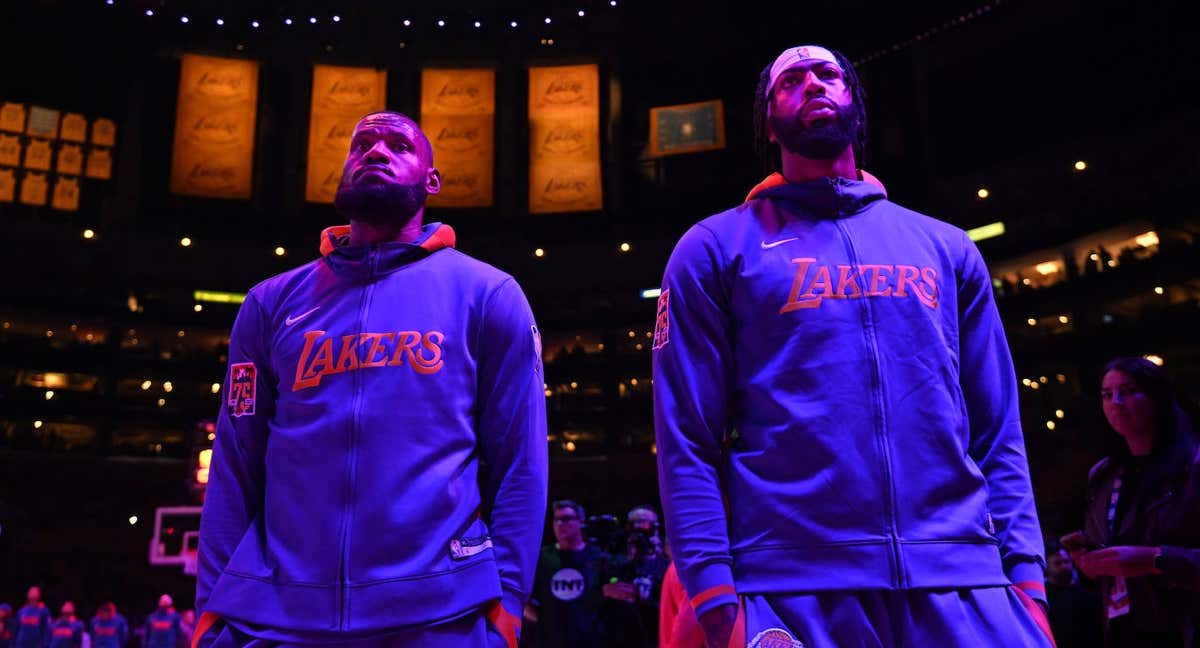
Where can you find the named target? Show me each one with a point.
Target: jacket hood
(823, 197)
(434, 236)
(777, 179)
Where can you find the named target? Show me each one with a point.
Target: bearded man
(345, 505)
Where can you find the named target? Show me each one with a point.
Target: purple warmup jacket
(835, 404)
(364, 391)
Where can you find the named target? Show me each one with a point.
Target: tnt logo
(567, 584)
(662, 324)
(241, 388)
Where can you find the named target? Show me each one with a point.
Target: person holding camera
(633, 582)
(1141, 536)
(565, 607)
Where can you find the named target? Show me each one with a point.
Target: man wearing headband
(840, 453)
(346, 502)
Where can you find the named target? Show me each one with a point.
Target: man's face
(388, 172)
(812, 111)
(33, 595)
(1059, 568)
(164, 601)
(567, 526)
(643, 520)
(68, 609)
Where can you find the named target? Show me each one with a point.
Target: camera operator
(564, 609)
(633, 582)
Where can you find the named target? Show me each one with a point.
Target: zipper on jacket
(352, 451)
(881, 437)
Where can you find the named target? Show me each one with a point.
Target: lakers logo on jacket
(326, 355)
(815, 282)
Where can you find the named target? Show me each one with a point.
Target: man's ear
(433, 181)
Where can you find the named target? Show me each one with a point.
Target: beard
(824, 140)
(388, 202)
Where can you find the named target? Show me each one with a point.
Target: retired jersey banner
(687, 128)
(43, 122)
(458, 114)
(10, 150)
(37, 155)
(74, 127)
(213, 156)
(70, 159)
(340, 97)
(8, 185)
(98, 164)
(66, 194)
(33, 189)
(564, 139)
(104, 132)
(12, 117)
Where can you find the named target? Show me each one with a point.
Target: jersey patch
(242, 380)
(775, 638)
(537, 347)
(466, 547)
(662, 324)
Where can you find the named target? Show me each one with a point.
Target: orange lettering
(846, 278)
(405, 341)
(348, 358)
(376, 347)
(878, 279)
(927, 293)
(432, 342)
(793, 300)
(305, 376)
(908, 275)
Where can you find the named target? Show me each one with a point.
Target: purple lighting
(312, 20)
(337, 19)
(220, 22)
(254, 24)
(183, 19)
(149, 12)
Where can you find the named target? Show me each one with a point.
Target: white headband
(793, 55)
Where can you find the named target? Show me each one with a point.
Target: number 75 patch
(242, 380)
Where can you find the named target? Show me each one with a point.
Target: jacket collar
(776, 179)
(344, 258)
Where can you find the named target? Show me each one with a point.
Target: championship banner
(340, 97)
(213, 155)
(687, 128)
(99, 164)
(10, 150)
(70, 159)
(66, 194)
(74, 127)
(458, 114)
(33, 189)
(8, 185)
(37, 155)
(104, 132)
(12, 117)
(564, 139)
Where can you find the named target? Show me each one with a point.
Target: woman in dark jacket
(1141, 538)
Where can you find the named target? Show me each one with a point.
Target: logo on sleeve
(242, 380)
(537, 347)
(662, 324)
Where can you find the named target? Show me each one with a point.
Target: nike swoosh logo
(292, 320)
(768, 246)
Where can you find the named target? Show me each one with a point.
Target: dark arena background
(1063, 135)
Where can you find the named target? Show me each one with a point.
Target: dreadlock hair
(768, 151)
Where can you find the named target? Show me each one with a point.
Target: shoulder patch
(242, 380)
(662, 324)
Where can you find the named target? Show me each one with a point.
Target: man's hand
(620, 591)
(530, 613)
(718, 625)
(1125, 561)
